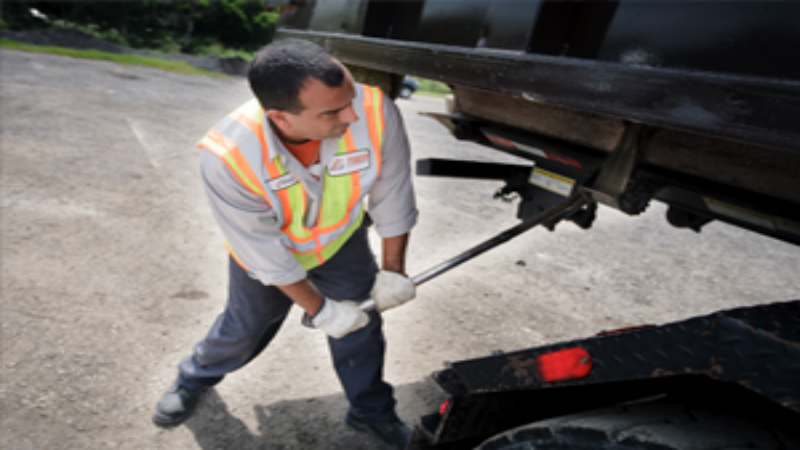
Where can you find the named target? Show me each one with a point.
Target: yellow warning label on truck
(553, 182)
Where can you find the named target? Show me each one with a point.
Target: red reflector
(564, 364)
(443, 408)
(564, 160)
(500, 141)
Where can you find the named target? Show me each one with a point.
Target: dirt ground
(112, 267)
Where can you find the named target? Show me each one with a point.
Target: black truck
(615, 103)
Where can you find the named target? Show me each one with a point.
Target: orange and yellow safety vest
(240, 139)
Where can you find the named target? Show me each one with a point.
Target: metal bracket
(615, 174)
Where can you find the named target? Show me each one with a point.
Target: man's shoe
(392, 435)
(176, 405)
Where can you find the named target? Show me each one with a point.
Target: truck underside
(614, 103)
(705, 162)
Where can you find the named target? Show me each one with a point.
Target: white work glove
(392, 289)
(339, 319)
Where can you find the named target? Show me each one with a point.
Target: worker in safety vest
(288, 176)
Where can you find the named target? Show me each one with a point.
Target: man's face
(327, 114)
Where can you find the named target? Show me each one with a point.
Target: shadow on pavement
(310, 423)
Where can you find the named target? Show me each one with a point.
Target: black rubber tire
(405, 92)
(644, 426)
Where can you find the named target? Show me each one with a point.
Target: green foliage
(111, 35)
(17, 16)
(432, 86)
(194, 26)
(129, 60)
(218, 50)
(239, 24)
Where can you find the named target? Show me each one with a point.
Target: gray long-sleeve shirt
(250, 225)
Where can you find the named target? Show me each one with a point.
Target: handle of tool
(369, 305)
(562, 209)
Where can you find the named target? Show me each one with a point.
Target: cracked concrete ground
(112, 267)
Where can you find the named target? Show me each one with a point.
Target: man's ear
(279, 119)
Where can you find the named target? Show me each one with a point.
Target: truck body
(618, 103)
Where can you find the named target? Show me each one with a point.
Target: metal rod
(562, 209)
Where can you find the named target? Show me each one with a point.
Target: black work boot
(391, 435)
(176, 405)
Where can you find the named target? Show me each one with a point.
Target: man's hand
(392, 289)
(338, 319)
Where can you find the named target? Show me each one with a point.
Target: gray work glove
(338, 319)
(392, 289)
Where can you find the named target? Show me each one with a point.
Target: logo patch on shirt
(349, 163)
(282, 182)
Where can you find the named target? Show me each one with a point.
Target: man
(286, 177)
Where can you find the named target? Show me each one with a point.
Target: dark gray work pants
(254, 314)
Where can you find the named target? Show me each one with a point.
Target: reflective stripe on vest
(240, 140)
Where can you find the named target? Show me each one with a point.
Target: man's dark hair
(280, 69)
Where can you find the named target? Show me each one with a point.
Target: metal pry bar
(558, 211)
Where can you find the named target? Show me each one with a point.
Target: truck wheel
(645, 426)
(405, 92)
